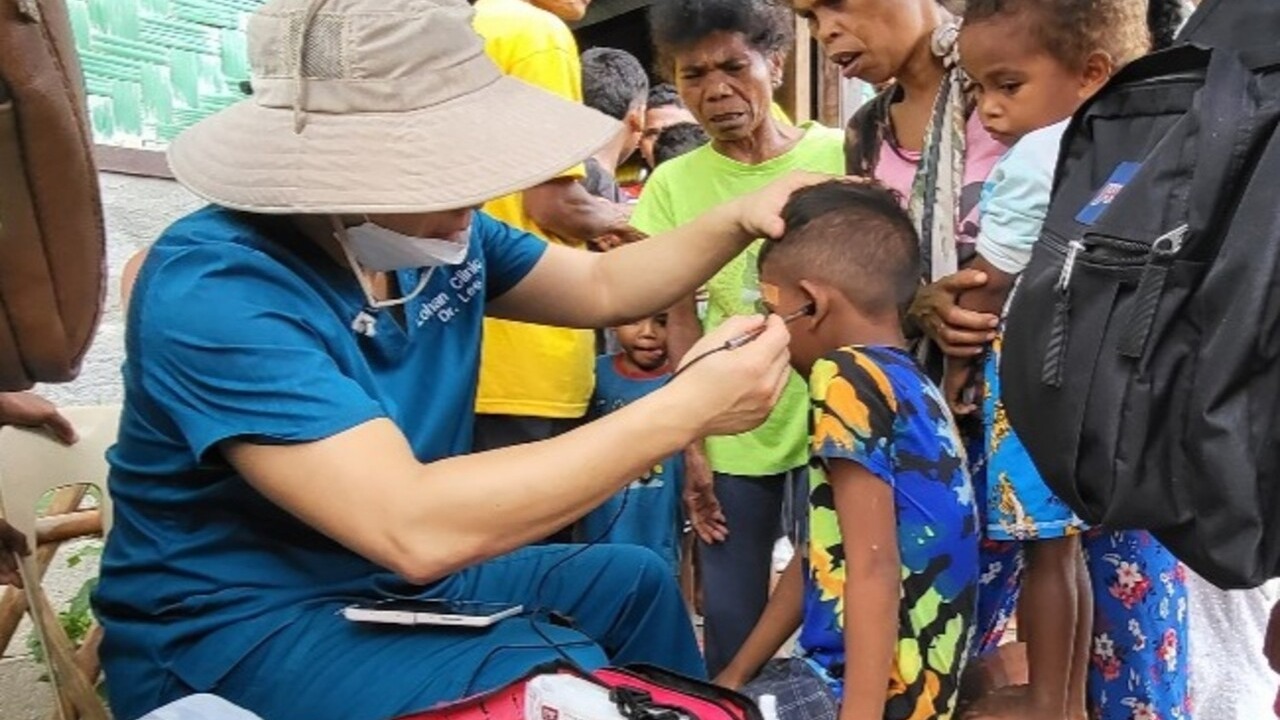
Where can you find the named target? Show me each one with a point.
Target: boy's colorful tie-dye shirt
(875, 407)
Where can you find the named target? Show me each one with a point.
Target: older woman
(726, 58)
(302, 366)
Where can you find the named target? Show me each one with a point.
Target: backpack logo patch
(1101, 202)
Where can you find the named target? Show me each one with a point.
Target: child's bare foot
(1010, 703)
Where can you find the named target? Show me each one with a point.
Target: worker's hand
(730, 679)
(12, 545)
(29, 410)
(729, 391)
(760, 213)
(959, 385)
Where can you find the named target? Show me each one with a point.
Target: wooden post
(796, 95)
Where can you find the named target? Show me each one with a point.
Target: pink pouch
(640, 692)
(655, 688)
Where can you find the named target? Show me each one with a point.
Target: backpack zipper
(1055, 358)
(1137, 330)
(1155, 259)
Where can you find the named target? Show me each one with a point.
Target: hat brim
(506, 137)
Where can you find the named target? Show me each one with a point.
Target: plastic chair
(31, 465)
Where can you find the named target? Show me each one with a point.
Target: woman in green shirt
(726, 58)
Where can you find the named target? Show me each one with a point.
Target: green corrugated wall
(153, 67)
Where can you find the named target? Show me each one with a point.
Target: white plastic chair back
(33, 463)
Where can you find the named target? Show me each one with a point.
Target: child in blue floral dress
(1033, 63)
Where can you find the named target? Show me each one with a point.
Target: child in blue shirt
(1033, 63)
(647, 512)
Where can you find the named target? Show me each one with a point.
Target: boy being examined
(885, 590)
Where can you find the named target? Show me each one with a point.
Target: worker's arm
(575, 288)
(364, 488)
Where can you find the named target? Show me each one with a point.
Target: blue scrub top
(241, 328)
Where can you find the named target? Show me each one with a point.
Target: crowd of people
(454, 357)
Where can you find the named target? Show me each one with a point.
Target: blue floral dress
(1138, 666)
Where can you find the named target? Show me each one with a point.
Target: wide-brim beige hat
(379, 106)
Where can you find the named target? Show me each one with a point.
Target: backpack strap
(1226, 116)
(1226, 112)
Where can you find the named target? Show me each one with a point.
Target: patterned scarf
(935, 194)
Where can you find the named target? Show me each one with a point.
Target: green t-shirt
(681, 190)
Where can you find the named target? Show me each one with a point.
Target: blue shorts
(1019, 504)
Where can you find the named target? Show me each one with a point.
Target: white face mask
(373, 247)
(383, 250)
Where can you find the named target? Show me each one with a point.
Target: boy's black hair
(664, 95)
(855, 237)
(1072, 30)
(678, 139)
(613, 81)
(767, 25)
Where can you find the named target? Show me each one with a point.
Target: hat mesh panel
(325, 57)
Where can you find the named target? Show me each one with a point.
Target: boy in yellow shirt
(536, 381)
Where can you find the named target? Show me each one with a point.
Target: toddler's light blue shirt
(1015, 199)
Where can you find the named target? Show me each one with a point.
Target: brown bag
(52, 244)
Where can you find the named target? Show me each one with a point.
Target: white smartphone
(455, 613)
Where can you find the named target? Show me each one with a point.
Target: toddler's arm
(872, 587)
(990, 299)
(1015, 202)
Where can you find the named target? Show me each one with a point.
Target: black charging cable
(743, 339)
(540, 610)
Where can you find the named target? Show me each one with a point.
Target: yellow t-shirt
(532, 370)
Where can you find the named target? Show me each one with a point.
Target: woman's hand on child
(960, 333)
(731, 388)
(760, 213)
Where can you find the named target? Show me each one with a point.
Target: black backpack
(1141, 363)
